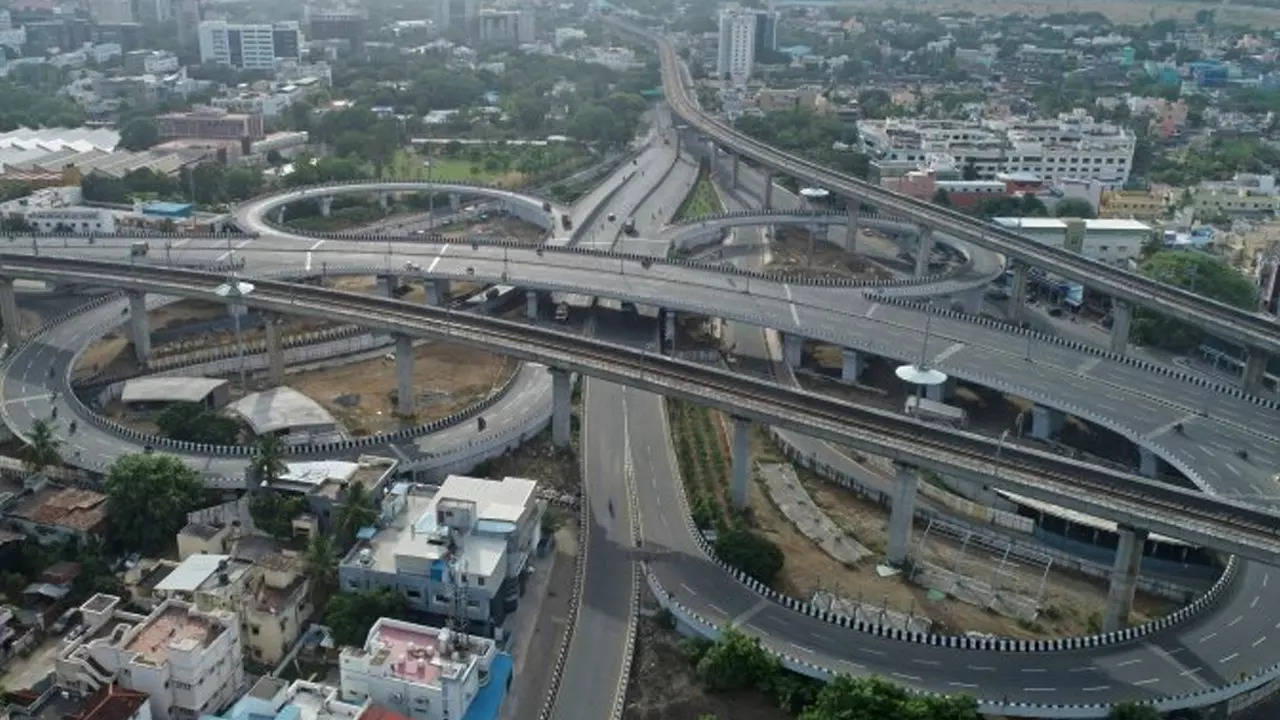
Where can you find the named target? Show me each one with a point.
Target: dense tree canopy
(846, 698)
(139, 133)
(351, 614)
(148, 497)
(1074, 208)
(809, 134)
(1201, 273)
(195, 423)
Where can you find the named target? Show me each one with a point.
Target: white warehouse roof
(169, 389)
(279, 409)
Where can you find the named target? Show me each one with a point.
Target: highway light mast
(234, 290)
(920, 374)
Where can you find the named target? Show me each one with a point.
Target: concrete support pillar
(139, 328)
(792, 349)
(923, 251)
(768, 191)
(387, 284)
(852, 367)
(971, 301)
(1124, 578)
(678, 144)
(1018, 291)
(531, 304)
(280, 215)
(942, 391)
(741, 461)
(1046, 422)
(669, 329)
(455, 201)
(404, 375)
(1148, 462)
(437, 291)
(813, 241)
(384, 201)
(326, 205)
(901, 513)
(851, 229)
(1121, 320)
(1255, 368)
(734, 175)
(9, 313)
(275, 349)
(561, 406)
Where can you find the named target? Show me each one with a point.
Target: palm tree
(322, 566)
(41, 449)
(268, 458)
(357, 511)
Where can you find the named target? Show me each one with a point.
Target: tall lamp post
(919, 373)
(234, 290)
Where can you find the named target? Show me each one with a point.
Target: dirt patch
(663, 685)
(446, 376)
(497, 227)
(537, 460)
(1072, 603)
(790, 253)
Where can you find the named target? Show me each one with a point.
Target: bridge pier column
(1124, 578)
(1255, 368)
(384, 201)
(901, 513)
(1018, 292)
(1046, 422)
(561, 406)
(531, 304)
(455, 201)
(734, 175)
(971, 301)
(942, 391)
(852, 366)
(275, 349)
(326, 205)
(9, 313)
(741, 461)
(387, 284)
(923, 251)
(1121, 320)
(792, 349)
(404, 375)
(851, 229)
(669, 329)
(280, 215)
(139, 328)
(768, 191)
(1148, 462)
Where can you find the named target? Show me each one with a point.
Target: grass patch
(701, 200)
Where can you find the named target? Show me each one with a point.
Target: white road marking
(317, 244)
(1034, 670)
(795, 316)
(963, 685)
(1259, 641)
(443, 249)
(1096, 688)
(982, 668)
(1134, 661)
(715, 607)
(1148, 681)
(750, 612)
(1265, 577)
(869, 651)
(1254, 603)
(1081, 669)
(1190, 671)
(914, 678)
(802, 648)
(951, 350)
(1229, 658)
(688, 589)
(1089, 364)
(926, 662)
(871, 309)
(238, 246)
(1237, 619)
(1039, 689)
(1212, 635)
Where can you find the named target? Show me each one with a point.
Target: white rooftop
(192, 572)
(316, 472)
(281, 408)
(503, 500)
(1115, 224)
(169, 389)
(1031, 223)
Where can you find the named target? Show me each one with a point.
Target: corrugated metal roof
(169, 389)
(191, 572)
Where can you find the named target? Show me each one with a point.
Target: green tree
(148, 497)
(736, 662)
(273, 512)
(268, 458)
(139, 134)
(751, 553)
(194, 423)
(350, 614)
(872, 698)
(357, 511)
(322, 566)
(1133, 711)
(942, 197)
(1074, 208)
(41, 449)
(1196, 271)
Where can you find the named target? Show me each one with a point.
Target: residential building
(422, 672)
(98, 221)
(736, 49)
(1244, 194)
(215, 529)
(250, 47)
(567, 34)
(463, 548)
(188, 660)
(53, 514)
(150, 62)
(210, 124)
(807, 97)
(1136, 204)
(766, 34)
(271, 698)
(505, 27)
(1072, 146)
(112, 702)
(324, 483)
(1110, 240)
(454, 14)
(111, 12)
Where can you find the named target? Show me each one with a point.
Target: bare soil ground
(498, 227)
(540, 461)
(663, 685)
(361, 395)
(790, 252)
(1070, 600)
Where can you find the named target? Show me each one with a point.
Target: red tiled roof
(111, 702)
(65, 507)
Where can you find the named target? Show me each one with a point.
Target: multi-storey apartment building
(736, 52)
(1072, 146)
(250, 47)
(188, 660)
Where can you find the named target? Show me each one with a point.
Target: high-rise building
(737, 52)
(250, 47)
(454, 14)
(111, 12)
(505, 27)
(766, 30)
(188, 14)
